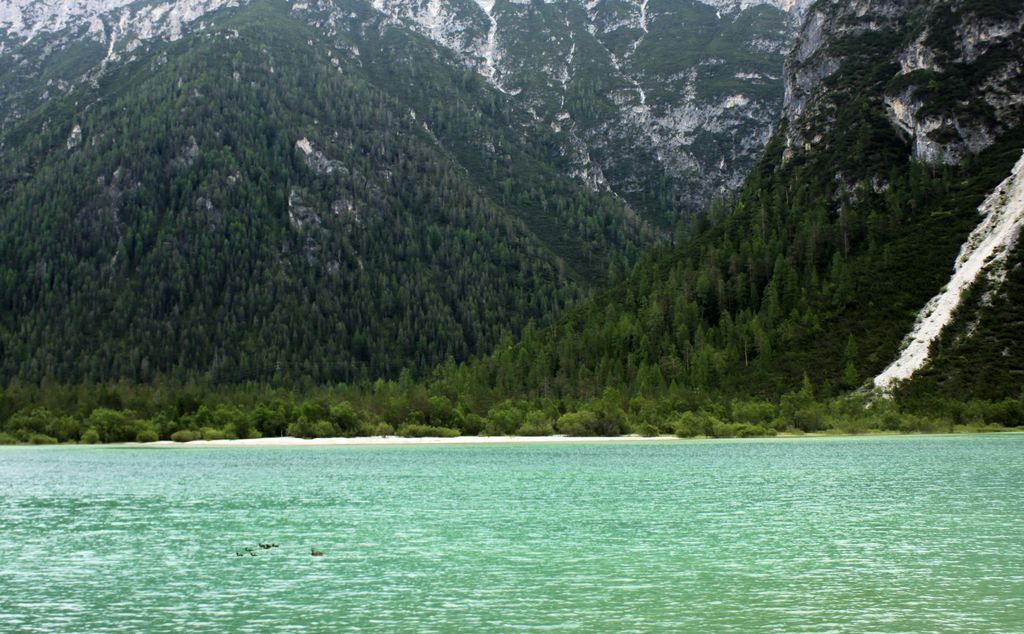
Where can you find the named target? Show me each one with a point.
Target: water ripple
(904, 534)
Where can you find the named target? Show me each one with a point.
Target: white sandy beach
(290, 441)
(287, 441)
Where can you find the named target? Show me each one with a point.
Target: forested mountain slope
(230, 190)
(262, 200)
(667, 103)
(901, 117)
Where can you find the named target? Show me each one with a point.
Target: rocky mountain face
(51, 49)
(948, 77)
(875, 244)
(953, 70)
(338, 181)
(665, 103)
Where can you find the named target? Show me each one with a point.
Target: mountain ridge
(839, 237)
(899, 116)
(231, 200)
(632, 120)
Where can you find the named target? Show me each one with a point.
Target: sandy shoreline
(288, 441)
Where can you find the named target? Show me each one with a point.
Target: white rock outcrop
(982, 256)
(75, 137)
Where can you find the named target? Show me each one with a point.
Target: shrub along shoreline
(128, 413)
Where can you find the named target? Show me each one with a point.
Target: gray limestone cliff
(665, 103)
(952, 70)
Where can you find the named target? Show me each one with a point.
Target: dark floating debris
(252, 550)
(316, 553)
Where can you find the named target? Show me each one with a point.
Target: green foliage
(800, 409)
(190, 236)
(147, 435)
(185, 435)
(648, 430)
(146, 413)
(425, 431)
(753, 412)
(577, 423)
(740, 430)
(23, 426)
(537, 423)
(41, 439)
(305, 427)
(589, 422)
(503, 419)
(189, 242)
(345, 419)
(213, 433)
(806, 274)
(113, 425)
(689, 424)
(90, 436)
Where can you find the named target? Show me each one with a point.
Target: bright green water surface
(891, 534)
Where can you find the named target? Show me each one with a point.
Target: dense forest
(132, 413)
(250, 207)
(820, 265)
(770, 292)
(210, 289)
(797, 326)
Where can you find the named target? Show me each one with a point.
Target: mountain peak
(26, 19)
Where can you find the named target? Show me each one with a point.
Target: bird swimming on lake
(268, 546)
(316, 553)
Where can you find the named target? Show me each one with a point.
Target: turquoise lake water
(887, 534)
